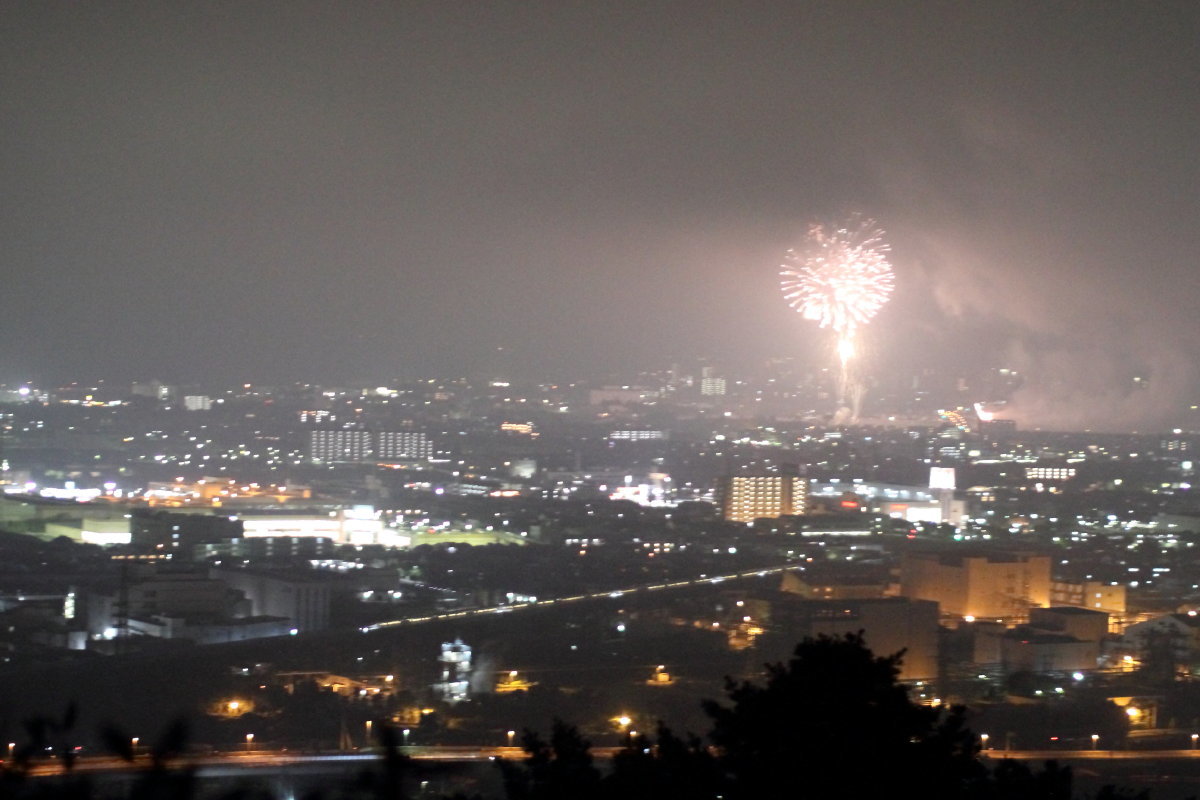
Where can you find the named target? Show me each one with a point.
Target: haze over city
(285, 191)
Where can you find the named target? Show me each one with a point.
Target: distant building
(153, 389)
(1095, 595)
(985, 585)
(91, 530)
(303, 601)
(949, 510)
(179, 534)
(711, 384)
(1052, 473)
(1081, 623)
(889, 625)
(403, 446)
(1178, 634)
(197, 402)
(1024, 649)
(267, 548)
(745, 498)
(837, 584)
(148, 598)
(455, 664)
(240, 629)
(357, 446)
(1057, 639)
(637, 436)
(358, 525)
(620, 395)
(333, 447)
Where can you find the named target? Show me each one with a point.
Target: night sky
(336, 191)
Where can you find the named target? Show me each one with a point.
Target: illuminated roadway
(225, 764)
(614, 593)
(215, 765)
(1092, 755)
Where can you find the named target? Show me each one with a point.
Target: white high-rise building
(197, 402)
(330, 447)
(405, 445)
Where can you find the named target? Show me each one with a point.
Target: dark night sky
(290, 190)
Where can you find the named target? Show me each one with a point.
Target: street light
(11, 747)
(1195, 736)
(1095, 741)
(404, 733)
(512, 734)
(249, 741)
(134, 743)
(983, 740)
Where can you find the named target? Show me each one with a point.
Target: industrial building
(990, 584)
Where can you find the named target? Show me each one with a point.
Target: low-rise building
(889, 625)
(303, 601)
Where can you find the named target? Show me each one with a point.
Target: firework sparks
(840, 278)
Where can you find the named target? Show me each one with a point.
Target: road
(221, 764)
(1093, 755)
(652, 587)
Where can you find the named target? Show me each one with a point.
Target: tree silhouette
(664, 766)
(561, 768)
(834, 722)
(1012, 780)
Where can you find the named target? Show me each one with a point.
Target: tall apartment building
(745, 498)
(342, 446)
(339, 446)
(710, 383)
(405, 445)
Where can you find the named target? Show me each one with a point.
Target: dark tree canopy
(834, 722)
(560, 768)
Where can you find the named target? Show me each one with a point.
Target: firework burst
(840, 278)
